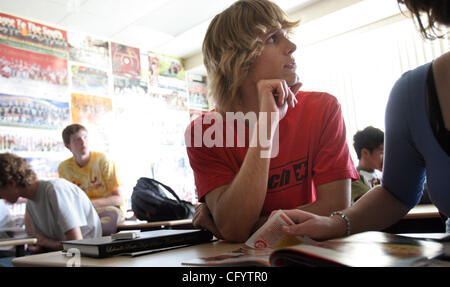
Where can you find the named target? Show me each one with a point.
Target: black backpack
(149, 202)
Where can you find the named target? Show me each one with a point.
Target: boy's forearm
(49, 243)
(238, 208)
(113, 200)
(332, 196)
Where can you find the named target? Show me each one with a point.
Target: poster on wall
(166, 72)
(35, 74)
(171, 67)
(172, 84)
(25, 141)
(197, 96)
(89, 80)
(25, 34)
(125, 86)
(23, 111)
(36, 104)
(88, 50)
(125, 61)
(95, 113)
(153, 69)
(90, 109)
(171, 99)
(44, 167)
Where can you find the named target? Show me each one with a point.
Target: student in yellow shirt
(92, 171)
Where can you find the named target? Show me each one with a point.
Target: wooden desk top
(140, 224)
(423, 211)
(170, 258)
(17, 241)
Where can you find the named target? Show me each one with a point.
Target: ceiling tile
(178, 16)
(90, 24)
(45, 12)
(141, 37)
(187, 43)
(120, 9)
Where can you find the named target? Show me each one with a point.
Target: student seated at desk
(295, 153)
(417, 144)
(92, 171)
(368, 145)
(57, 208)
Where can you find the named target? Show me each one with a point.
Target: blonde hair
(232, 43)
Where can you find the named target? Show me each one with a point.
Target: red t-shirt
(312, 151)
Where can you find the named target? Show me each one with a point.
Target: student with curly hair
(417, 144)
(57, 209)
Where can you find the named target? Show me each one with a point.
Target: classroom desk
(423, 211)
(423, 218)
(19, 243)
(174, 257)
(169, 258)
(147, 226)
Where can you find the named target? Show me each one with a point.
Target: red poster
(126, 61)
(28, 66)
(25, 34)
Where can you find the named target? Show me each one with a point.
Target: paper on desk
(270, 234)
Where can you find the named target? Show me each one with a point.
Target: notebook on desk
(105, 246)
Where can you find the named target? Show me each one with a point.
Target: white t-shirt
(371, 179)
(4, 213)
(60, 206)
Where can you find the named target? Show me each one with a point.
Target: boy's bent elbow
(233, 233)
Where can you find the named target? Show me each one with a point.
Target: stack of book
(145, 242)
